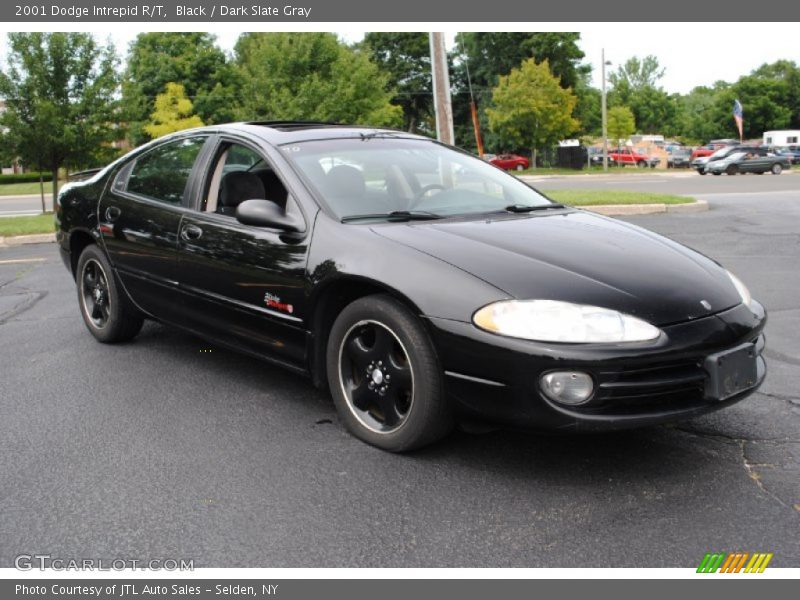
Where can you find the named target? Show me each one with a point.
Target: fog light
(567, 387)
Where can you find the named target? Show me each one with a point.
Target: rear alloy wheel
(701, 171)
(107, 312)
(777, 169)
(384, 376)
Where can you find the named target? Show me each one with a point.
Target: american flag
(738, 116)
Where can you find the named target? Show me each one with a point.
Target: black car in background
(417, 283)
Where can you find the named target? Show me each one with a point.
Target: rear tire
(519, 168)
(385, 377)
(108, 313)
(641, 164)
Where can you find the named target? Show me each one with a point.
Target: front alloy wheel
(385, 377)
(376, 376)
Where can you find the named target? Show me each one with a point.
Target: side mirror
(265, 213)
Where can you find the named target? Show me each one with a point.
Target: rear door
(139, 218)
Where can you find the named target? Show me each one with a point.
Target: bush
(25, 177)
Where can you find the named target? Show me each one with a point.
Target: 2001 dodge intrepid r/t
(419, 283)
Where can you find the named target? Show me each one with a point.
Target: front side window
(379, 175)
(162, 173)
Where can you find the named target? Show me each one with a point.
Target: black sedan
(417, 283)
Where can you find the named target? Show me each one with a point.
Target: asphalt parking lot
(167, 447)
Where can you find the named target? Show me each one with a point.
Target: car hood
(579, 257)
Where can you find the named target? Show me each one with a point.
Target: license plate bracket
(730, 372)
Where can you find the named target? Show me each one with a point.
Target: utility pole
(604, 113)
(441, 90)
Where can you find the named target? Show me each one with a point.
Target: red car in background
(711, 147)
(630, 156)
(510, 162)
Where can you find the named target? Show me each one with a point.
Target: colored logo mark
(734, 562)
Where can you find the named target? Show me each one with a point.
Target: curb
(19, 240)
(617, 210)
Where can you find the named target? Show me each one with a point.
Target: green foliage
(60, 94)
(587, 110)
(405, 58)
(29, 177)
(490, 55)
(530, 108)
(635, 85)
(189, 59)
(173, 112)
(621, 123)
(312, 76)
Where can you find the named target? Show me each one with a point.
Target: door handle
(191, 232)
(112, 213)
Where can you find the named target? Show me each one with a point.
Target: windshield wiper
(523, 208)
(396, 215)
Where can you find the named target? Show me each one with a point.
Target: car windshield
(385, 177)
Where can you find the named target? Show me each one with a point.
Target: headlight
(553, 321)
(744, 293)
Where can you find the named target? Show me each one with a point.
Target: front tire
(519, 168)
(776, 169)
(385, 377)
(108, 313)
(641, 164)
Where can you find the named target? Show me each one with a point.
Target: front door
(244, 285)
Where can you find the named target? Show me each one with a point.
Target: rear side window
(162, 173)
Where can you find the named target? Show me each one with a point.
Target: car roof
(287, 132)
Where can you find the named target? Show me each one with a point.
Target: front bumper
(493, 378)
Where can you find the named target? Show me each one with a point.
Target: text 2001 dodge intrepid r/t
(420, 284)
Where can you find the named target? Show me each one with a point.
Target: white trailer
(783, 137)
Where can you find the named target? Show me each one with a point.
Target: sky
(692, 53)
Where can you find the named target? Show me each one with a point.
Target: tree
(405, 57)
(635, 85)
(492, 54)
(173, 112)
(636, 74)
(60, 93)
(530, 108)
(587, 110)
(190, 59)
(621, 123)
(489, 55)
(312, 76)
